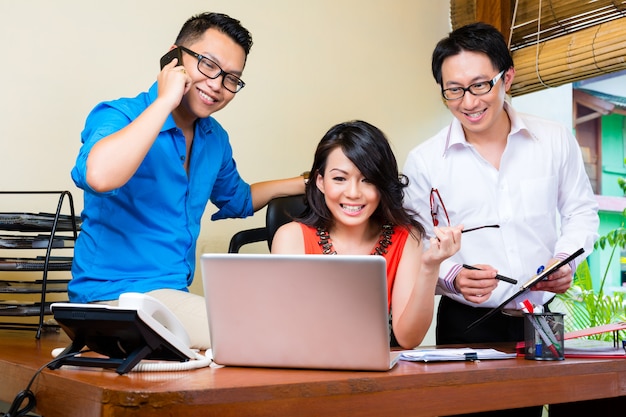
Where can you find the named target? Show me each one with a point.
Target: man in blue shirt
(149, 165)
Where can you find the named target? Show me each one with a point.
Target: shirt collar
(456, 135)
(518, 126)
(205, 124)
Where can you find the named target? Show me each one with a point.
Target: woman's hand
(447, 242)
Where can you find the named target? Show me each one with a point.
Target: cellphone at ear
(174, 53)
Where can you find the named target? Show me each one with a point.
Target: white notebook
(298, 311)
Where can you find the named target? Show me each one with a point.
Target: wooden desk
(410, 389)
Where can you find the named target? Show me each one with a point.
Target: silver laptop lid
(298, 311)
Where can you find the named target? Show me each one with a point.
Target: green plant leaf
(584, 307)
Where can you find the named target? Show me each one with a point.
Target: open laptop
(298, 311)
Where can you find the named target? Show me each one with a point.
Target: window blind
(570, 40)
(585, 54)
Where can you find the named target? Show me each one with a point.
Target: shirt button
(182, 157)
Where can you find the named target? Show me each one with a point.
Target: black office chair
(280, 210)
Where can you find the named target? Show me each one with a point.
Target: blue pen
(540, 269)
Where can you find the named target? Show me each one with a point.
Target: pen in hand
(498, 276)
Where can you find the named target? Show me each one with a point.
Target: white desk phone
(139, 328)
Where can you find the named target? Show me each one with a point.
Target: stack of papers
(590, 348)
(455, 354)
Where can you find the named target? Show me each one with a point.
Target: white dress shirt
(541, 198)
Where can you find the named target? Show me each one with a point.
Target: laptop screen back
(298, 311)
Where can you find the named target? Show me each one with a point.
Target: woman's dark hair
(369, 150)
(475, 37)
(195, 27)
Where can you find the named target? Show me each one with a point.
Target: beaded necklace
(385, 241)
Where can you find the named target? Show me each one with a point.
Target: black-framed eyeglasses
(477, 89)
(436, 202)
(212, 70)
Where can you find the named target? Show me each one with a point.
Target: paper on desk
(455, 354)
(590, 348)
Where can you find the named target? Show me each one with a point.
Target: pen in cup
(540, 328)
(528, 307)
(543, 336)
(498, 276)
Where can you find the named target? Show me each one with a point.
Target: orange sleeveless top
(393, 255)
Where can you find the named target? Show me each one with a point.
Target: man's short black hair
(475, 37)
(195, 27)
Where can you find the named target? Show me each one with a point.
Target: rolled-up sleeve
(103, 121)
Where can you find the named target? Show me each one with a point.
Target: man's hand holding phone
(173, 80)
(174, 53)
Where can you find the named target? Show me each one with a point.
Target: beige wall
(313, 64)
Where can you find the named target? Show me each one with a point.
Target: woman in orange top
(354, 207)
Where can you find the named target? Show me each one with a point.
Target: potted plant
(585, 307)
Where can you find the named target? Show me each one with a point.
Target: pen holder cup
(543, 336)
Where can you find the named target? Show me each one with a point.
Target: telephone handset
(140, 327)
(170, 55)
(148, 306)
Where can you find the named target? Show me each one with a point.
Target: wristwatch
(305, 175)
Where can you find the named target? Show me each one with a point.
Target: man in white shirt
(521, 175)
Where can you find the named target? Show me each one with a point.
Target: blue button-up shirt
(142, 236)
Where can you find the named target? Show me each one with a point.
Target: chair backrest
(279, 211)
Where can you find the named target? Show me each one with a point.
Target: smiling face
(207, 96)
(484, 115)
(349, 196)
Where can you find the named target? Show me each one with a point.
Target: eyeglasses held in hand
(436, 202)
(212, 70)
